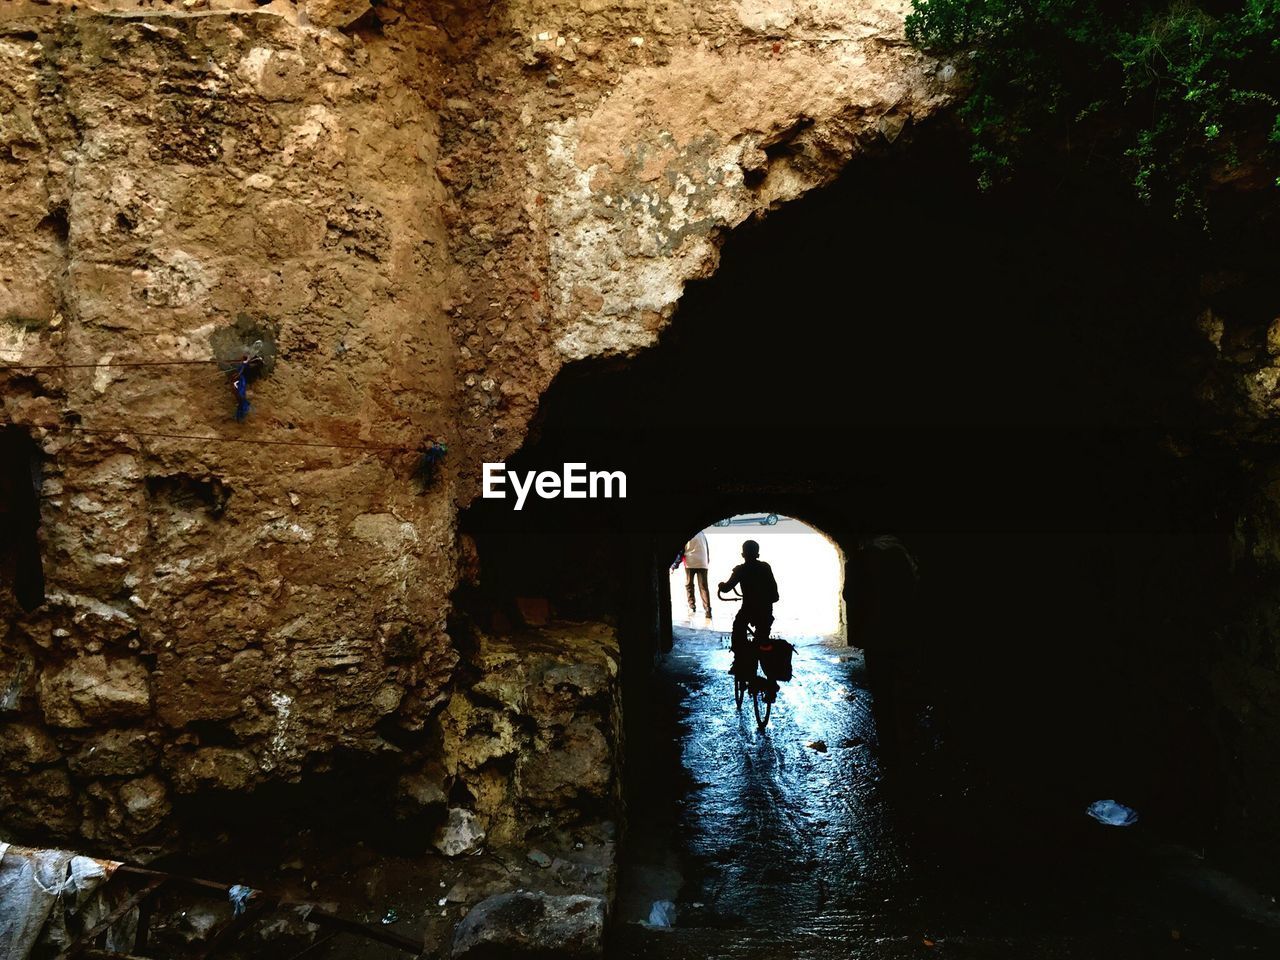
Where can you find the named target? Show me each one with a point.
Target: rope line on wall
(275, 443)
(431, 451)
(105, 363)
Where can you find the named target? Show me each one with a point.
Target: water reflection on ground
(789, 816)
(793, 842)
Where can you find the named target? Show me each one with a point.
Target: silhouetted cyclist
(759, 594)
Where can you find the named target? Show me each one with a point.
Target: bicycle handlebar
(736, 595)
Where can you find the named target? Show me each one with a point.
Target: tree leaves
(1176, 94)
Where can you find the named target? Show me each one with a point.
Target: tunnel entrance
(989, 402)
(809, 567)
(775, 814)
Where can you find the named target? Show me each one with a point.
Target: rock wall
(1240, 320)
(537, 733)
(424, 210)
(219, 611)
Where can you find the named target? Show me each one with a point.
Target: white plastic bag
(1113, 814)
(663, 914)
(39, 889)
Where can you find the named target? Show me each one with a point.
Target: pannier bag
(775, 658)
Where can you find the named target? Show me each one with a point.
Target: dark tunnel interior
(1007, 383)
(21, 568)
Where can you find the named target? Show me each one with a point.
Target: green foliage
(1177, 94)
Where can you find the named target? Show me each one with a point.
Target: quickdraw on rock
(432, 455)
(245, 351)
(240, 385)
(240, 372)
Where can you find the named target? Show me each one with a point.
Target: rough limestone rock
(532, 925)
(94, 690)
(460, 834)
(40, 801)
(653, 131)
(423, 789)
(335, 13)
(536, 738)
(568, 764)
(24, 745)
(115, 753)
(217, 768)
(145, 803)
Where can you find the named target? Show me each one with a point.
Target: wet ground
(794, 842)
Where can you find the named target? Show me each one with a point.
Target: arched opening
(808, 564)
(989, 404)
(758, 825)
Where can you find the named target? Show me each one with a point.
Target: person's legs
(744, 655)
(704, 590)
(688, 588)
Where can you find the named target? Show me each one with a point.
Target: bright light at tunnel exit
(806, 564)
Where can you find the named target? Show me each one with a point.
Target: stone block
(575, 764)
(423, 789)
(145, 803)
(117, 753)
(23, 745)
(42, 802)
(217, 768)
(93, 690)
(335, 14)
(461, 834)
(527, 924)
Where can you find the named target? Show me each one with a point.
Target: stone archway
(967, 401)
(462, 219)
(619, 177)
(437, 208)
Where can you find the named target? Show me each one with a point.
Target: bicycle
(757, 686)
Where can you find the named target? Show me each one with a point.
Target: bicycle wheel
(762, 706)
